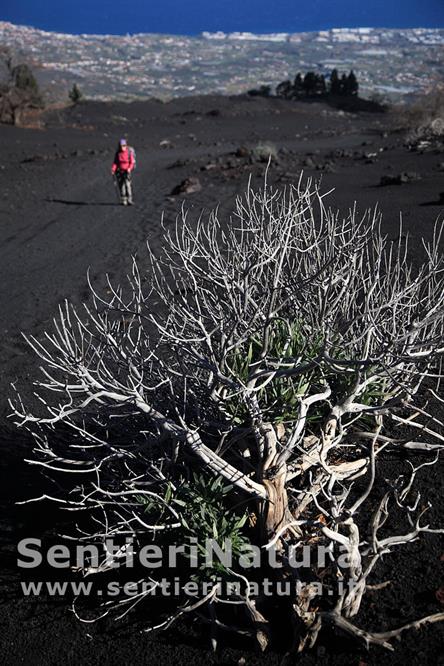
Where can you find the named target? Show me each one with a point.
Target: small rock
(329, 168)
(33, 158)
(263, 152)
(242, 151)
(341, 152)
(166, 143)
(399, 179)
(187, 186)
(308, 162)
(178, 163)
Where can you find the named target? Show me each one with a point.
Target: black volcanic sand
(59, 217)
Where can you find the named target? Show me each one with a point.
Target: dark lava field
(59, 217)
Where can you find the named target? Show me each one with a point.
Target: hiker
(123, 165)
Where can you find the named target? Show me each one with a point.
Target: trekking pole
(130, 177)
(116, 186)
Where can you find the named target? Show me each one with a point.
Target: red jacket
(123, 160)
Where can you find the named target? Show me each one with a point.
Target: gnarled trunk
(275, 511)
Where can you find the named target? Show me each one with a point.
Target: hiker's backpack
(133, 153)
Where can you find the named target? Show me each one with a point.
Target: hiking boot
(124, 202)
(130, 202)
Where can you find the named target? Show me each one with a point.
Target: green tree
(24, 79)
(335, 84)
(298, 85)
(310, 83)
(264, 91)
(352, 86)
(284, 89)
(74, 94)
(321, 87)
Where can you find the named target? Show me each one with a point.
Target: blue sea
(194, 16)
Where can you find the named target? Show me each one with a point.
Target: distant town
(393, 65)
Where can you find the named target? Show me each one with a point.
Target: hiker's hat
(123, 142)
